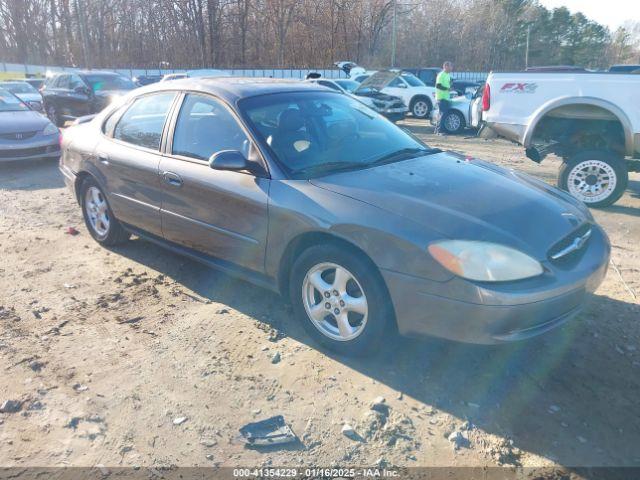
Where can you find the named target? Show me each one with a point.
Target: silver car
(306, 192)
(24, 133)
(25, 92)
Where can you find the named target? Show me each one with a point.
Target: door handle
(172, 179)
(103, 159)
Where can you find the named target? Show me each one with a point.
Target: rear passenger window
(205, 127)
(143, 122)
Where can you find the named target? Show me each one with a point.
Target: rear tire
(421, 107)
(102, 224)
(596, 177)
(346, 312)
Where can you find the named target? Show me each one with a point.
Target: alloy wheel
(335, 301)
(97, 211)
(420, 109)
(452, 122)
(592, 181)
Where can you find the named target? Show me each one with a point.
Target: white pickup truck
(591, 120)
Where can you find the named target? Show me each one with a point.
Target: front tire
(421, 107)
(453, 122)
(340, 298)
(102, 224)
(596, 177)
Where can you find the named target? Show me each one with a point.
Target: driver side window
(205, 127)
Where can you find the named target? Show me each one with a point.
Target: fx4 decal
(519, 87)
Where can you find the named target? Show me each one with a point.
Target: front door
(130, 157)
(221, 213)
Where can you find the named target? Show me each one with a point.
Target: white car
(391, 107)
(465, 112)
(414, 93)
(25, 92)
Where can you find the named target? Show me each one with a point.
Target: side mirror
(81, 89)
(402, 85)
(235, 161)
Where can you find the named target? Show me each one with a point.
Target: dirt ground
(138, 357)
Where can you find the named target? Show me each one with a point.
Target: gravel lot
(105, 350)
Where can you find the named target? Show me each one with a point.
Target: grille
(27, 152)
(571, 244)
(17, 135)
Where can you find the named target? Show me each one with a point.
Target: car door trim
(136, 201)
(211, 227)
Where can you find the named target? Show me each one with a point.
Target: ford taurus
(310, 193)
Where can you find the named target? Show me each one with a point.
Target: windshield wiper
(404, 154)
(333, 166)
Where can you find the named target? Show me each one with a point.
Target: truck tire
(596, 177)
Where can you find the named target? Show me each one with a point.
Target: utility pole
(394, 33)
(526, 53)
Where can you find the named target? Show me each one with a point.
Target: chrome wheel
(592, 181)
(97, 211)
(335, 301)
(452, 122)
(420, 108)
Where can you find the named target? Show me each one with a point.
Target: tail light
(486, 98)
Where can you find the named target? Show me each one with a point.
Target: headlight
(50, 129)
(484, 261)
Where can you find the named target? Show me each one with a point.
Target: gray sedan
(25, 134)
(311, 194)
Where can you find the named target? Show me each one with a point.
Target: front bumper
(49, 148)
(497, 313)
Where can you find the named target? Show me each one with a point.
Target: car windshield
(109, 82)
(348, 85)
(10, 103)
(412, 80)
(317, 133)
(18, 87)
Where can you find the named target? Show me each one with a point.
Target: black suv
(69, 95)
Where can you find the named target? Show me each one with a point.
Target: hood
(462, 199)
(26, 121)
(379, 80)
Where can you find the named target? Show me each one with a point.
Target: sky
(611, 13)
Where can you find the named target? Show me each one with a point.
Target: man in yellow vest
(443, 95)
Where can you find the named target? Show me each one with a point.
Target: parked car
(624, 69)
(413, 92)
(143, 80)
(25, 92)
(70, 95)
(301, 190)
(24, 133)
(465, 112)
(589, 119)
(391, 107)
(35, 82)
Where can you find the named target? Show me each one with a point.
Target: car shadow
(43, 174)
(570, 395)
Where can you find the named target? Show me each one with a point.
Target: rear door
(77, 98)
(129, 156)
(221, 213)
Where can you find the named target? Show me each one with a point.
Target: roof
(233, 89)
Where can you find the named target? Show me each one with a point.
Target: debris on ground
(275, 358)
(71, 231)
(459, 439)
(272, 431)
(179, 420)
(10, 406)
